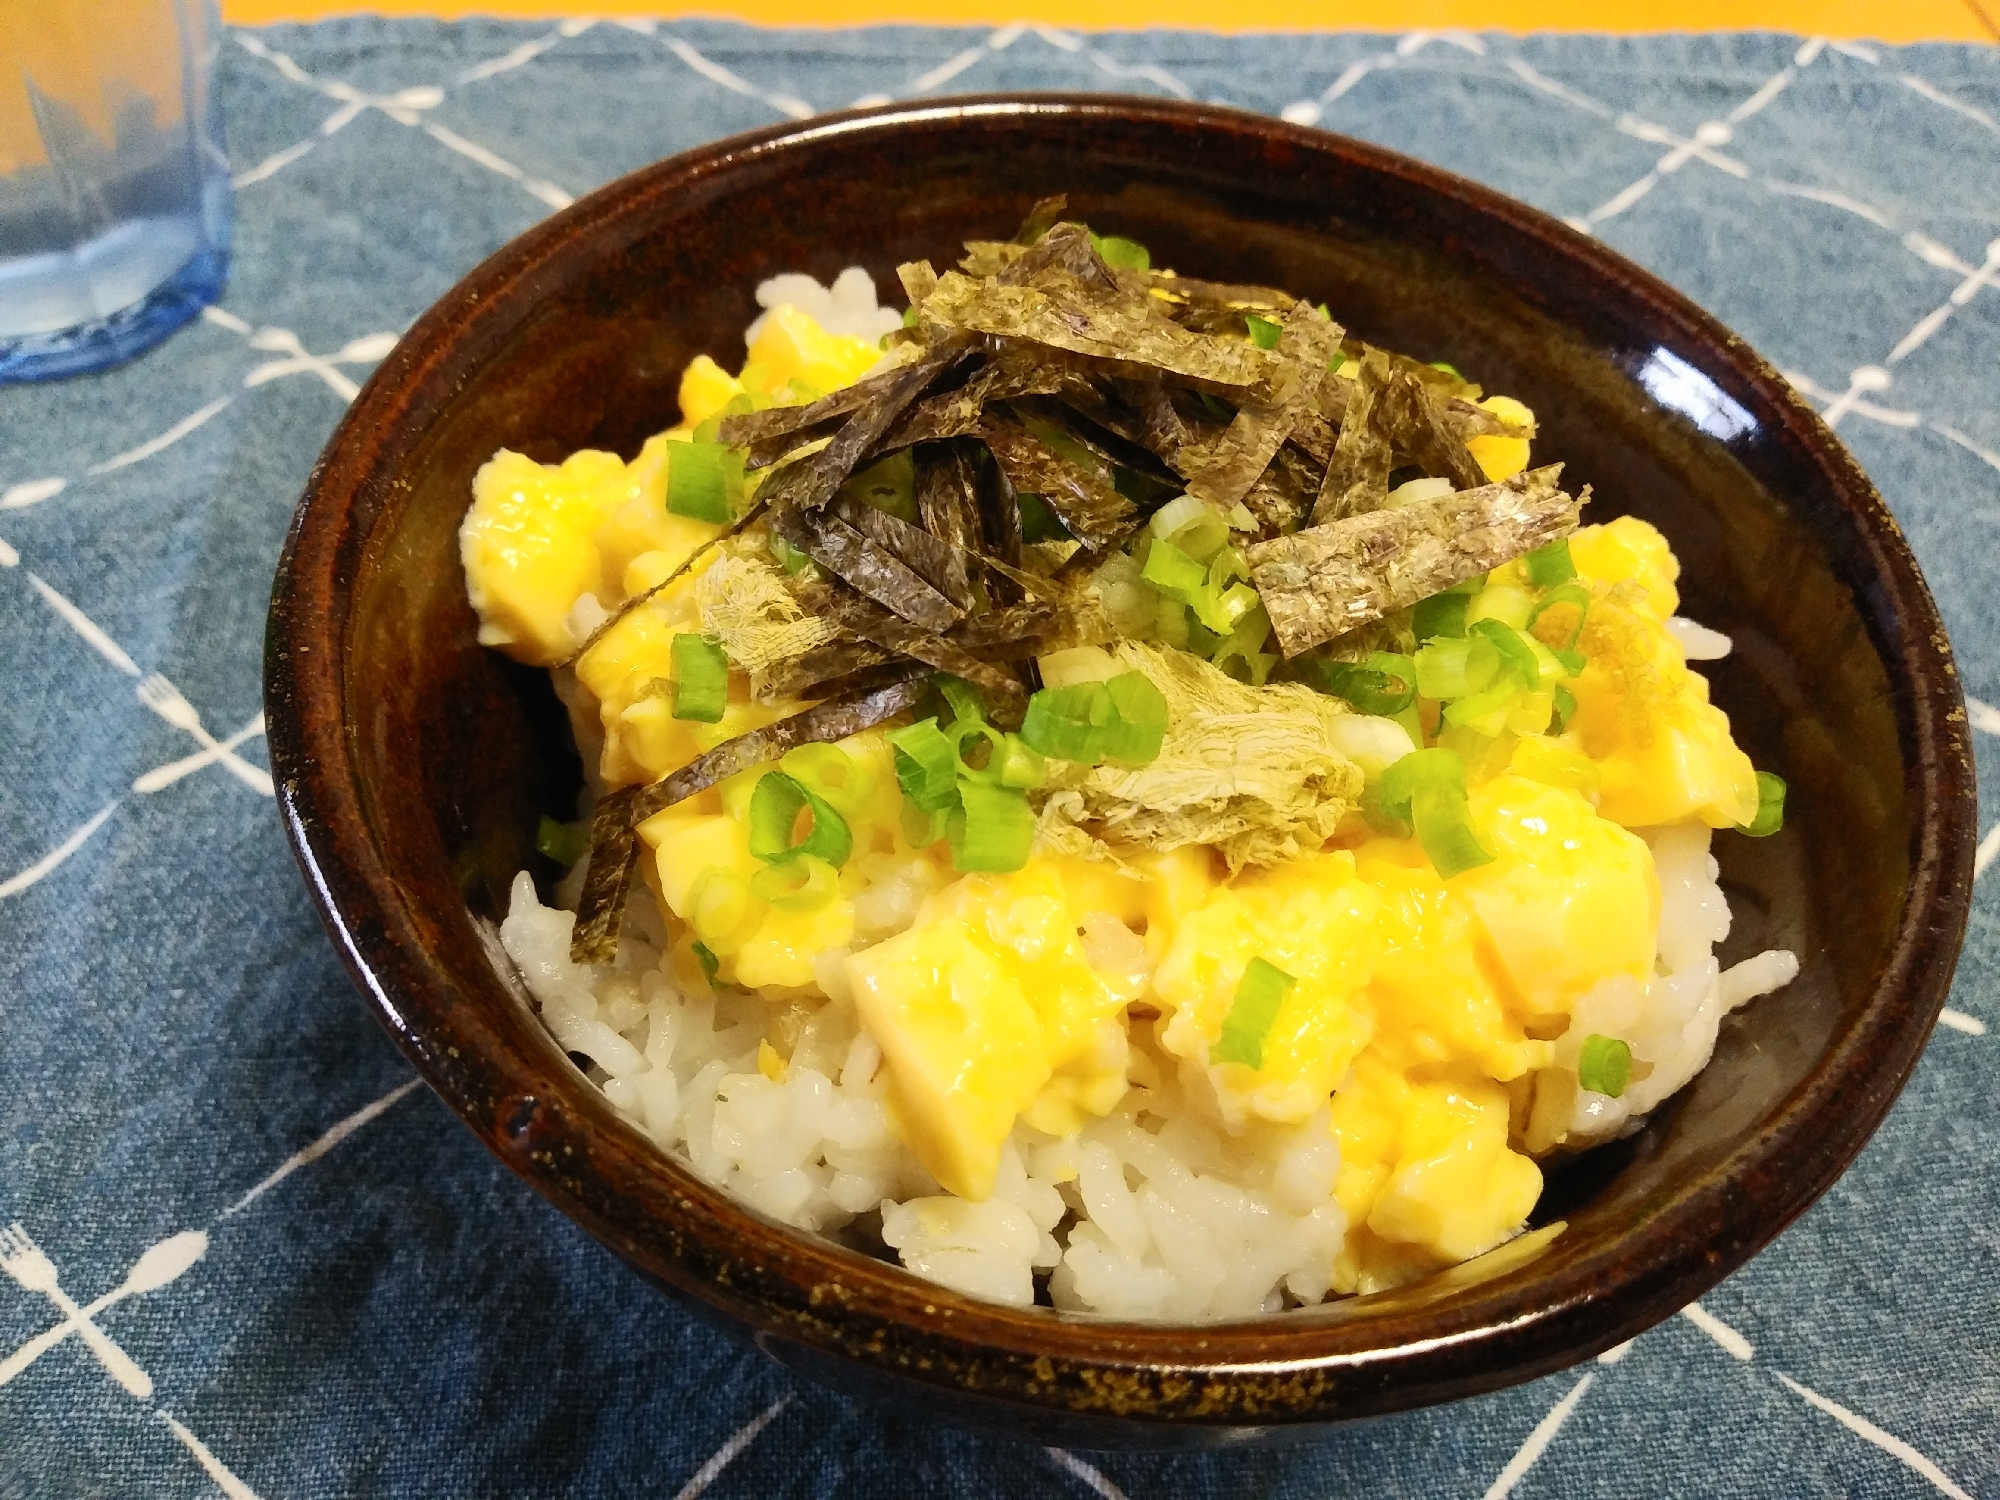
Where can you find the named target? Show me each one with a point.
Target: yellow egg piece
(792, 347)
(705, 389)
(1313, 918)
(1569, 898)
(529, 550)
(1629, 550)
(979, 1008)
(1500, 457)
(1431, 992)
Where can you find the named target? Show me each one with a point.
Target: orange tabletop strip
(1879, 20)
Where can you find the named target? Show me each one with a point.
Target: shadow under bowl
(413, 765)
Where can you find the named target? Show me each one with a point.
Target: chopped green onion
(703, 480)
(565, 843)
(1018, 765)
(722, 910)
(803, 884)
(1220, 612)
(1451, 667)
(1217, 409)
(787, 556)
(1442, 616)
(1770, 806)
(1486, 710)
(992, 830)
(926, 767)
(1259, 995)
(1565, 705)
(1139, 720)
(889, 485)
(701, 678)
(1383, 683)
(1425, 790)
(705, 956)
(774, 813)
(846, 781)
(909, 317)
(1202, 536)
(1515, 653)
(965, 701)
(1449, 369)
(1122, 720)
(922, 828)
(1263, 332)
(1568, 593)
(1173, 572)
(1122, 254)
(1548, 566)
(1604, 1065)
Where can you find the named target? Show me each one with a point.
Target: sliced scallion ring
(1382, 683)
(774, 813)
(926, 766)
(993, 828)
(1549, 566)
(1259, 995)
(1770, 806)
(802, 884)
(1568, 593)
(1425, 790)
(1604, 1066)
(701, 678)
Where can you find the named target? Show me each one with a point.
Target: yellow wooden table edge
(1892, 21)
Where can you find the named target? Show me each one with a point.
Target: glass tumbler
(114, 190)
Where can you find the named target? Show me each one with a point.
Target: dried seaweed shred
(1086, 502)
(944, 567)
(868, 620)
(614, 852)
(1324, 581)
(1306, 341)
(868, 567)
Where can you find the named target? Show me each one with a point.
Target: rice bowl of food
(1129, 811)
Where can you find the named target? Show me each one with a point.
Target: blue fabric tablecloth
(379, 1308)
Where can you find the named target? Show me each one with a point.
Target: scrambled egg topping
(1417, 1000)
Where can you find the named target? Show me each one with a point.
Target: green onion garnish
(1173, 572)
(1139, 720)
(701, 678)
(1567, 593)
(1217, 409)
(788, 557)
(1770, 806)
(1565, 709)
(1449, 369)
(967, 704)
(993, 829)
(702, 480)
(1604, 1066)
(1548, 566)
(565, 843)
(722, 910)
(1038, 522)
(1451, 667)
(1263, 332)
(1440, 617)
(705, 956)
(848, 783)
(1515, 653)
(1259, 994)
(1383, 683)
(1018, 765)
(1123, 720)
(1425, 790)
(803, 884)
(1122, 254)
(774, 814)
(926, 766)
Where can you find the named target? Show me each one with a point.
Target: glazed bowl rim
(559, 1132)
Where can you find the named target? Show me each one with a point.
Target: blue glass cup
(114, 189)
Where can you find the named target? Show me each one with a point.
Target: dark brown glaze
(412, 764)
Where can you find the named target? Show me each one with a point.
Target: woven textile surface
(378, 1308)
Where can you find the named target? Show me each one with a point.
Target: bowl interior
(576, 338)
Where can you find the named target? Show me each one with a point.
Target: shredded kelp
(1326, 580)
(1254, 772)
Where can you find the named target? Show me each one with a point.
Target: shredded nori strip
(822, 665)
(834, 719)
(1324, 581)
(948, 495)
(1065, 248)
(758, 432)
(943, 566)
(750, 513)
(918, 280)
(865, 618)
(1087, 503)
(614, 852)
(869, 567)
(1041, 218)
(812, 482)
(1127, 336)
(953, 414)
(1357, 476)
(1253, 438)
(1419, 431)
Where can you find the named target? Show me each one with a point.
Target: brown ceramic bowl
(413, 764)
